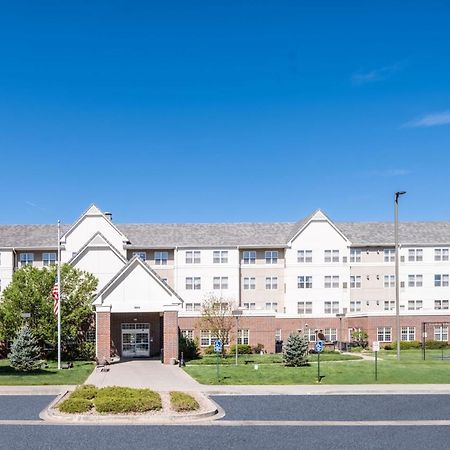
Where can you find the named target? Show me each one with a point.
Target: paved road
(336, 407)
(21, 407)
(234, 433)
(198, 438)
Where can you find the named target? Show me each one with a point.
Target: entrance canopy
(137, 288)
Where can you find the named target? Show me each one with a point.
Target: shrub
(243, 349)
(86, 391)
(436, 345)
(75, 405)
(189, 348)
(25, 353)
(183, 402)
(295, 352)
(116, 400)
(258, 348)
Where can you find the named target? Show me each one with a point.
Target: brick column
(103, 327)
(170, 341)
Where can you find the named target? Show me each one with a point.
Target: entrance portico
(137, 315)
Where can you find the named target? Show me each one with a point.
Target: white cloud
(430, 120)
(383, 73)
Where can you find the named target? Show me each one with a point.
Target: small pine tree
(295, 352)
(25, 352)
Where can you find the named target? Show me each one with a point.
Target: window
(249, 257)
(441, 254)
(441, 280)
(389, 281)
(304, 282)
(193, 307)
(206, 338)
(331, 307)
(249, 305)
(161, 258)
(193, 257)
(271, 282)
(311, 334)
(441, 333)
(220, 256)
(188, 334)
(278, 334)
(408, 334)
(415, 254)
(243, 337)
(384, 334)
(141, 255)
(389, 305)
(331, 281)
(389, 255)
(330, 334)
(414, 305)
(304, 307)
(355, 281)
(355, 255)
(441, 304)
(249, 283)
(331, 255)
(304, 256)
(415, 280)
(355, 306)
(271, 257)
(193, 283)
(272, 306)
(220, 283)
(48, 259)
(26, 259)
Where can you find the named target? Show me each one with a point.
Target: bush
(180, 401)
(117, 400)
(258, 348)
(295, 352)
(436, 345)
(75, 405)
(86, 392)
(243, 349)
(189, 348)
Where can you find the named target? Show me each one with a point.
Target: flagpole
(59, 295)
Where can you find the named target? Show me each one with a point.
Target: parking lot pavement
(338, 407)
(23, 407)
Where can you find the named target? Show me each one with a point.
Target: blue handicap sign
(218, 346)
(319, 346)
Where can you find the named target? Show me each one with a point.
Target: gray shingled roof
(233, 234)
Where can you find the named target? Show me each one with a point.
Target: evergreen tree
(25, 353)
(295, 352)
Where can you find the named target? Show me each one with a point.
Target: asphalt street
(234, 433)
(335, 407)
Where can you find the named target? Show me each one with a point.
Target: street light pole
(237, 313)
(397, 281)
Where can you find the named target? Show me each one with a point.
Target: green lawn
(266, 359)
(410, 370)
(77, 375)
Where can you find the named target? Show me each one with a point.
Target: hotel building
(311, 275)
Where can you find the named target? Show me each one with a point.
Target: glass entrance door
(135, 340)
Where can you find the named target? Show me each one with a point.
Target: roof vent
(108, 215)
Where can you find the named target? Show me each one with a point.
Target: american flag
(55, 298)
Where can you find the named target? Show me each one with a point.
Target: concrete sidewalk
(145, 374)
(36, 390)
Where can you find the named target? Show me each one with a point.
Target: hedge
(180, 401)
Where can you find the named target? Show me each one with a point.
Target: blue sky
(224, 111)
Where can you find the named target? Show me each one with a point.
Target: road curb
(52, 414)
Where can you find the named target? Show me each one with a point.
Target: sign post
(319, 349)
(376, 349)
(218, 350)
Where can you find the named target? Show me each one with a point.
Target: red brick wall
(170, 332)
(103, 326)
